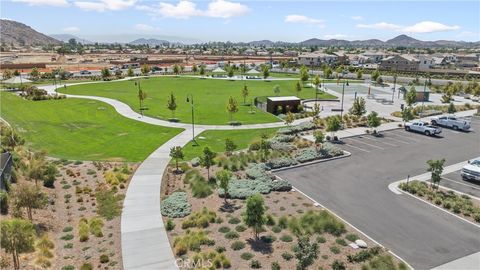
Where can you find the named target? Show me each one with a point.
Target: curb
(345, 155)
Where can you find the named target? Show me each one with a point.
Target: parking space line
(405, 137)
(358, 148)
(379, 140)
(359, 141)
(397, 140)
(461, 183)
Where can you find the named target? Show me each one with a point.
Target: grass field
(215, 140)
(210, 97)
(82, 129)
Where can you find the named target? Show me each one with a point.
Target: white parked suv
(471, 171)
(450, 121)
(423, 127)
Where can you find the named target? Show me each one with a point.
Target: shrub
(286, 238)
(321, 239)
(280, 162)
(280, 185)
(364, 255)
(224, 229)
(281, 146)
(67, 237)
(234, 220)
(170, 225)
(330, 150)
(237, 245)
(220, 249)
(176, 205)
(334, 249)
(275, 266)
(255, 264)
(338, 265)
(241, 189)
(240, 228)
(86, 266)
(287, 256)
(200, 219)
(108, 204)
(307, 154)
(341, 241)
(68, 246)
(284, 138)
(68, 267)
(254, 146)
(67, 229)
(352, 237)
(83, 230)
(268, 239)
(383, 262)
(191, 240)
(270, 220)
(276, 229)
(256, 171)
(104, 258)
(246, 256)
(96, 225)
(200, 188)
(231, 235)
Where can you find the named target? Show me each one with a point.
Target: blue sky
(222, 20)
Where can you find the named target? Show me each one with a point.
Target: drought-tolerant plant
(176, 205)
(321, 239)
(224, 229)
(170, 224)
(275, 266)
(200, 187)
(286, 238)
(240, 228)
(104, 258)
(338, 265)
(108, 204)
(364, 255)
(83, 230)
(200, 219)
(341, 241)
(96, 225)
(254, 215)
(237, 245)
(255, 264)
(234, 220)
(305, 252)
(191, 240)
(352, 237)
(334, 249)
(287, 256)
(246, 256)
(231, 235)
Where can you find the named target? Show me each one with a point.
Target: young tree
(316, 81)
(230, 146)
(359, 73)
(305, 252)
(176, 69)
(304, 74)
(289, 119)
(244, 93)
(142, 95)
(202, 70)
(407, 114)
(35, 74)
(265, 72)
(375, 75)
(232, 107)
(172, 104)
(254, 216)
(17, 236)
(207, 159)
(327, 72)
(145, 69)
(451, 108)
(105, 73)
(223, 179)
(358, 107)
(411, 96)
(319, 137)
(176, 153)
(230, 72)
(194, 69)
(333, 124)
(130, 72)
(28, 196)
(298, 88)
(276, 89)
(373, 120)
(436, 168)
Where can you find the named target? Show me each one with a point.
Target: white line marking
(461, 183)
(397, 140)
(405, 137)
(379, 140)
(346, 222)
(374, 146)
(361, 149)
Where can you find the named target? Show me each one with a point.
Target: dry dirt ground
(61, 217)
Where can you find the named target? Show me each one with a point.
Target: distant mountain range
(12, 32)
(16, 33)
(67, 37)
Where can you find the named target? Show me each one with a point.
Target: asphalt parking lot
(356, 188)
(454, 181)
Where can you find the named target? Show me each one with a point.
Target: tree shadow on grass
(260, 246)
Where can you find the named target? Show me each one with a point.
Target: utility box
(282, 105)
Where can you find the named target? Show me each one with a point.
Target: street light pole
(190, 100)
(423, 98)
(343, 94)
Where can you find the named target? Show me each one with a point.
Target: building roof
(286, 98)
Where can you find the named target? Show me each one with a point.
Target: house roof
(286, 98)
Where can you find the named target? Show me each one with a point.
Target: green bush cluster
(281, 146)
(296, 129)
(256, 171)
(238, 161)
(199, 186)
(316, 222)
(200, 219)
(191, 240)
(364, 255)
(307, 154)
(218, 259)
(237, 245)
(108, 204)
(246, 256)
(176, 205)
(329, 150)
(448, 200)
(281, 162)
(384, 262)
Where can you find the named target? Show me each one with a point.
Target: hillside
(67, 37)
(12, 32)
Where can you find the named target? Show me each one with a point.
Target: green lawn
(210, 97)
(215, 140)
(82, 129)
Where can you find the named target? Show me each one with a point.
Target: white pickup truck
(423, 127)
(450, 121)
(471, 171)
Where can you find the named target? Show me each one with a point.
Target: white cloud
(104, 5)
(294, 18)
(380, 26)
(55, 3)
(420, 27)
(356, 18)
(185, 9)
(71, 29)
(144, 27)
(335, 36)
(429, 27)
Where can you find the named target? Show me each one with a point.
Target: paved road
(454, 181)
(422, 235)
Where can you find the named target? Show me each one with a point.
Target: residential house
(316, 59)
(400, 63)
